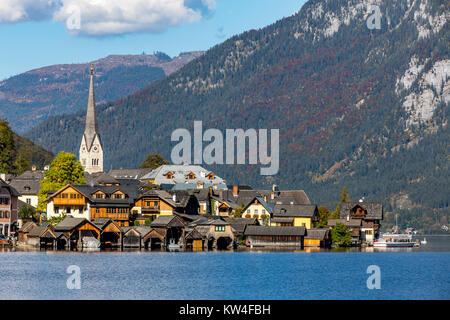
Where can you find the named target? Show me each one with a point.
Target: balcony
(113, 216)
(150, 209)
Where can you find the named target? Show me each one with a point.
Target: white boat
(90, 243)
(394, 240)
(424, 241)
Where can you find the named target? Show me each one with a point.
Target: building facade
(8, 208)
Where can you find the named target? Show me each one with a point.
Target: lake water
(415, 273)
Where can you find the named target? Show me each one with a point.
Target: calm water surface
(417, 273)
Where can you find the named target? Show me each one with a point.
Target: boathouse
(265, 236)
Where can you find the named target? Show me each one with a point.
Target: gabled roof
(294, 210)
(135, 173)
(374, 209)
(274, 231)
(11, 189)
(70, 223)
(268, 206)
(26, 186)
(320, 234)
(167, 221)
(38, 231)
(27, 226)
(285, 196)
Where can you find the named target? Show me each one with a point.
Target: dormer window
(191, 176)
(210, 176)
(169, 175)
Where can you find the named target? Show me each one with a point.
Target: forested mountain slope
(366, 108)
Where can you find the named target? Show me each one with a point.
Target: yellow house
(152, 204)
(296, 215)
(258, 209)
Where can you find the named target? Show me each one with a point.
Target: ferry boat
(394, 240)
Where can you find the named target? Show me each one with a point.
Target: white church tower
(91, 151)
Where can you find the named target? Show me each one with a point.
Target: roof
(135, 173)
(180, 173)
(26, 186)
(31, 175)
(165, 221)
(99, 178)
(282, 220)
(27, 226)
(349, 223)
(239, 224)
(11, 189)
(294, 210)
(374, 210)
(316, 233)
(37, 231)
(274, 231)
(268, 206)
(101, 222)
(69, 223)
(285, 196)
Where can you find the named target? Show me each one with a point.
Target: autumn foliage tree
(64, 169)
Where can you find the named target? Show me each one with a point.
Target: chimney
(235, 191)
(348, 218)
(174, 197)
(265, 198)
(3, 176)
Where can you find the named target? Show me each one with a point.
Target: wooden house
(320, 238)
(216, 233)
(133, 237)
(111, 233)
(266, 236)
(23, 232)
(370, 213)
(193, 239)
(76, 229)
(353, 225)
(170, 227)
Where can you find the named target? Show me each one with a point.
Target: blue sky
(36, 37)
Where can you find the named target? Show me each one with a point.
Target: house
(108, 198)
(294, 215)
(319, 238)
(152, 204)
(370, 213)
(133, 237)
(24, 230)
(27, 185)
(111, 233)
(239, 224)
(258, 209)
(43, 236)
(75, 229)
(8, 208)
(284, 196)
(269, 236)
(183, 177)
(193, 239)
(216, 233)
(169, 229)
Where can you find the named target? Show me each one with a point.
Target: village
(171, 207)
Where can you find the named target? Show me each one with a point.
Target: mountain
(18, 153)
(33, 96)
(356, 106)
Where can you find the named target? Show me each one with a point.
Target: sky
(37, 33)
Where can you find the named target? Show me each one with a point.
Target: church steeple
(91, 151)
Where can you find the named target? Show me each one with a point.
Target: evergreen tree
(344, 198)
(64, 169)
(341, 236)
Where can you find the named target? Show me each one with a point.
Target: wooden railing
(114, 216)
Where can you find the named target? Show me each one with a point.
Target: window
(255, 211)
(220, 228)
(68, 209)
(56, 209)
(97, 210)
(28, 201)
(263, 211)
(248, 211)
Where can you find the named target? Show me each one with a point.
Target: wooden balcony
(150, 209)
(113, 216)
(69, 202)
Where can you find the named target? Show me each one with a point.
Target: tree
(56, 219)
(7, 149)
(237, 213)
(27, 211)
(64, 169)
(344, 198)
(341, 236)
(153, 161)
(324, 215)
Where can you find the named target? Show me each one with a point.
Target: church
(91, 150)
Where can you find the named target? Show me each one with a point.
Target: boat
(173, 246)
(394, 240)
(424, 241)
(90, 243)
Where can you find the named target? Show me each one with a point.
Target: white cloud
(107, 17)
(23, 10)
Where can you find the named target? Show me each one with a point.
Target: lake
(413, 273)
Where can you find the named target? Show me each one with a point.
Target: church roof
(91, 129)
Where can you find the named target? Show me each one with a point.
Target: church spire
(91, 151)
(91, 119)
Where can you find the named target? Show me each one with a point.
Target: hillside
(33, 96)
(18, 153)
(365, 108)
